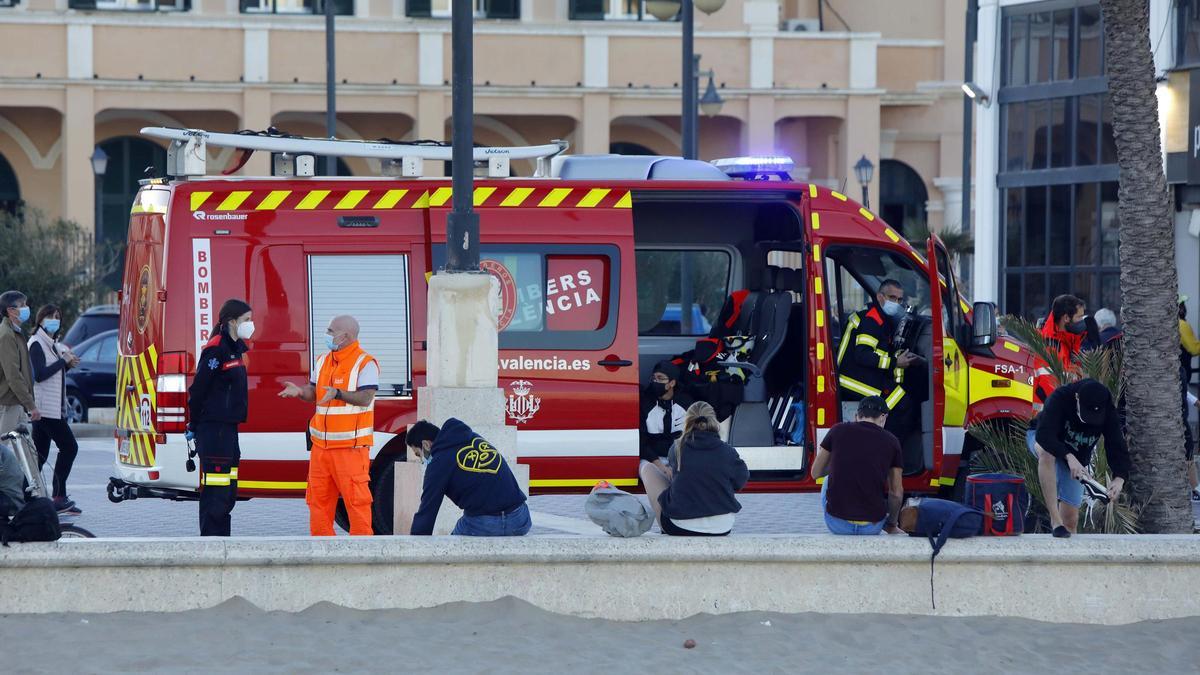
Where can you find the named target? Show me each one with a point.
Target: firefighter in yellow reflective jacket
(869, 366)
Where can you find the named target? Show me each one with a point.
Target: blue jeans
(1069, 489)
(512, 524)
(840, 526)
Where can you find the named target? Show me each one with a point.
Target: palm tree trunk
(1149, 282)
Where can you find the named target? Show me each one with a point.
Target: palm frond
(1028, 333)
(1104, 366)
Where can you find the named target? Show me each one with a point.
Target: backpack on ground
(939, 520)
(1003, 498)
(619, 513)
(36, 521)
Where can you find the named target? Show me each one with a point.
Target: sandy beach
(510, 636)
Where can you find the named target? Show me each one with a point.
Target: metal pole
(99, 239)
(688, 83)
(968, 110)
(330, 86)
(462, 225)
(866, 196)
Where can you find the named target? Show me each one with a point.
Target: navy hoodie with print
(468, 470)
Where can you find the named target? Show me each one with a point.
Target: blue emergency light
(756, 168)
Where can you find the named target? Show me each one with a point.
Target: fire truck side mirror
(985, 328)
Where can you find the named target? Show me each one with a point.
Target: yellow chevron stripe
(625, 202)
(482, 194)
(154, 357)
(351, 200)
(440, 196)
(312, 200)
(593, 197)
(150, 450)
(198, 199)
(273, 199)
(556, 197)
(234, 200)
(389, 199)
(517, 196)
(422, 201)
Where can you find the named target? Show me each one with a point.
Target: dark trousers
(46, 430)
(217, 445)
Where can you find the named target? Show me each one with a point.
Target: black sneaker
(66, 507)
(1061, 532)
(1094, 489)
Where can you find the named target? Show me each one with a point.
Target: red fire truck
(605, 265)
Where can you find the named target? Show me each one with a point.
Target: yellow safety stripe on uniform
(312, 200)
(866, 214)
(351, 200)
(517, 197)
(340, 435)
(272, 485)
(857, 387)
(899, 373)
(580, 482)
(440, 196)
(868, 340)
(593, 197)
(885, 359)
(234, 200)
(556, 196)
(390, 199)
(851, 324)
(198, 199)
(893, 398)
(273, 199)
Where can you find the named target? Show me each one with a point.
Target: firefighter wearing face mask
(1064, 332)
(868, 365)
(217, 403)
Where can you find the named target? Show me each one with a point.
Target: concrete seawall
(1092, 579)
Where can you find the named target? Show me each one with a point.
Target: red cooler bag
(1002, 498)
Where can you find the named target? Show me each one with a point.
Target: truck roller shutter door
(374, 290)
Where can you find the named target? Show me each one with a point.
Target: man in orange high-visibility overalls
(342, 429)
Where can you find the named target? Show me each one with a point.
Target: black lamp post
(665, 10)
(330, 85)
(99, 161)
(462, 225)
(864, 170)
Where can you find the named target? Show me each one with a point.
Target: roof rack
(295, 155)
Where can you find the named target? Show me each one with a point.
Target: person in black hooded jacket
(696, 495)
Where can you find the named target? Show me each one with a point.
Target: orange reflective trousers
(333, 472)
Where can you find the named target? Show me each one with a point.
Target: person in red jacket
(1064, 331)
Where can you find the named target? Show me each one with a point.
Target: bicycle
(35, 483)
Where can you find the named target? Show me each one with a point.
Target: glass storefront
(1058, 172)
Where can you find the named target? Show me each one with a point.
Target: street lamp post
(330, 86)
(864, 170)
(99, 161)
(462, 225)
(665, 10)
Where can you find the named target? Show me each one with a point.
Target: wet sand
(511, 636)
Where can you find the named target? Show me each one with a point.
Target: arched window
(902, 196)
(130, 159)
(10, 190)
(623, 148)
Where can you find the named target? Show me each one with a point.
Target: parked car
(93, 384)
(94, 321)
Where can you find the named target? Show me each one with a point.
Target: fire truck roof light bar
(187, 152)
(749, 167)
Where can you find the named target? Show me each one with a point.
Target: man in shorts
(1063, 438)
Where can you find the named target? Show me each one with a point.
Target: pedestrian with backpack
(861, 462)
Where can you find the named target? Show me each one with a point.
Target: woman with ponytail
(695, 496)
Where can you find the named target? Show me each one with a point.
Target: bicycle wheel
(75, 532)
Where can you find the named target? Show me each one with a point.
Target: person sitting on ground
(461, 465)
(662, 409)
(1063, 438)
(694, 496)
(861, 462)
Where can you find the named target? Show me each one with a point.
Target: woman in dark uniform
(217, 402)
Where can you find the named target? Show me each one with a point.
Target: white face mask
(893, 308)
(245, 330)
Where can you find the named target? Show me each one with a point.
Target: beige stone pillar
(861, 137)
(431, 123)
(594, 125)
(79, 140)
(256, 114)
(758, 137)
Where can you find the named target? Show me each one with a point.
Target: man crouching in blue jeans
(861, 462)
(461, 465)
